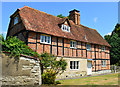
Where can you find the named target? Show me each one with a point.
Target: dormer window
(16, 20)
(65, 28)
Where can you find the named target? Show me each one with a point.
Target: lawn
(110, 79)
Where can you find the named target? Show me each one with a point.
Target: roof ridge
(39, 11)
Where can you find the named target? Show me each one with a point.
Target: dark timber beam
(63, 46)
(36, 41)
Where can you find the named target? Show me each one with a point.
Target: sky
(102, 16)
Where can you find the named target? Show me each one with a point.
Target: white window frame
(103, 63)
(65, 28)
(103, 48)
(88, 47)
(16, 20)
(73, 44)
(74, 66)
(45, 42)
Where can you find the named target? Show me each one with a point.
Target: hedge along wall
(23, 71)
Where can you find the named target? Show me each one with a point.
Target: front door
(89, 68)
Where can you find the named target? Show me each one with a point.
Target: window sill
(74, 69)
(88, 50)
(73, 48)
(103, 66)
(45, 43)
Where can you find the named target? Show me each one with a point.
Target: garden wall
(20, 71)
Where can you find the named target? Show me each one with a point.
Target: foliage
(107, 37)
(57, 82)
(117, 29)
(17, 47)
(50, 64)
(114, 41)
(48, 77)
(61, 16)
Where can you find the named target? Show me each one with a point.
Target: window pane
(73, 44)
(16, 20)
(63, 27)
(77, 64)
(42, 38)
(74, 64)
(70, 43)
(48, 39)
(88, 47)
(70, 64)
(45, 38)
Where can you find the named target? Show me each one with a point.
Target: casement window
(65, 28)
(16, 20)
(74, 65)
(88, 46)
(103, 48)
(46, 39)
(103, 63)
(73, 44)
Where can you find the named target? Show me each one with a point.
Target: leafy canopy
(61, 16)
(114, 41)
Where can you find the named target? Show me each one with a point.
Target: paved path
(87, 76)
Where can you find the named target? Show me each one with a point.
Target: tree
(107, 37)
(114, 41)
(117, 30)
(61, 16)
(55, 67)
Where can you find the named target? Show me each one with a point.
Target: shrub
(48, 77)
(17, 47)
(57, 82)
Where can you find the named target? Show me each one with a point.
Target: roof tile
(39, 21)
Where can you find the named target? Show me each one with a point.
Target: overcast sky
(102, 16)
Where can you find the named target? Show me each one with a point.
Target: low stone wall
(101, 72)
(68, 73)
(22, 71)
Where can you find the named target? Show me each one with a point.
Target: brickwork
(57, 43)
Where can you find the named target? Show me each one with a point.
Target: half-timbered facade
(83, 48)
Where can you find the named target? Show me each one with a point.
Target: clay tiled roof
(39, 21)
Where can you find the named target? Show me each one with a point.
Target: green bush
(48, 77)
(16, 47)
(57, 82)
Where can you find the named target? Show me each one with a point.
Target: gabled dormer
(65, 25)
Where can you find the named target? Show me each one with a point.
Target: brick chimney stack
(75, 16)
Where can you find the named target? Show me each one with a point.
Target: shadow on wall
(20, 71)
